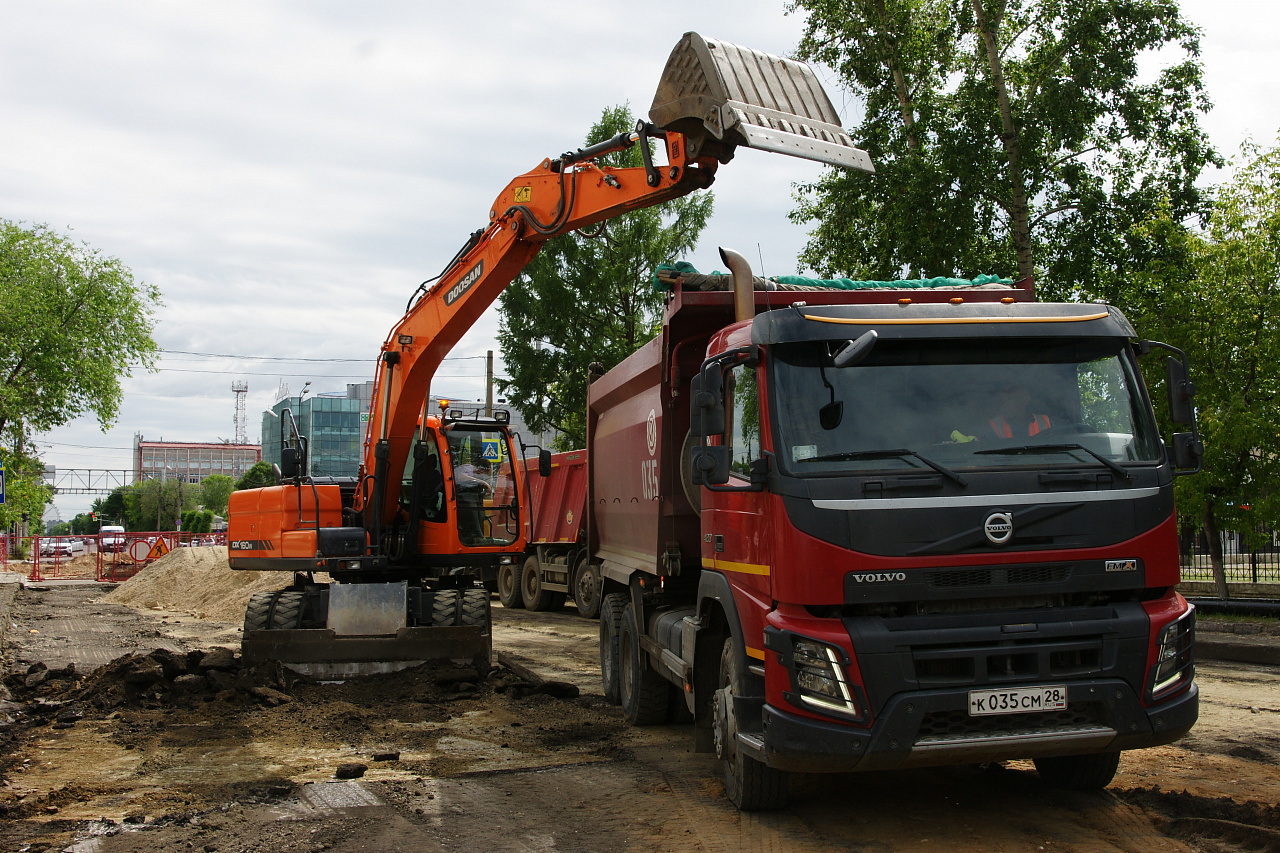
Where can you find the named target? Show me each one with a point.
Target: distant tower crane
(240, 387)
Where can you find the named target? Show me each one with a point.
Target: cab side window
(743, 409)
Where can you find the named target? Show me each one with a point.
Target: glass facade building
(333, 424)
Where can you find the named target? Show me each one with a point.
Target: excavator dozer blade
(320, 653)
(721, 95)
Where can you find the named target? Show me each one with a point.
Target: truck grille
(1018, 575)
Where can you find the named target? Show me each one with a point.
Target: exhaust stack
(721, 95)
(744, 291)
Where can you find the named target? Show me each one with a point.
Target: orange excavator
(409, 543)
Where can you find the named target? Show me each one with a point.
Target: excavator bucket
(721, 95)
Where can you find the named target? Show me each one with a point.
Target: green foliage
(214, 491)
(582, 300)
(1009, 136)
(84, 525)
(113, 509)
(72, 322)
(25, 490)
(1216, 295)
(261, 474)
(197, 521)
(62, 528)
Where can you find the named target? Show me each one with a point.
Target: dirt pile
(197, 581)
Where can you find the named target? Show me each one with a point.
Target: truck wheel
(509, 586)
(257, 616)
(610, 629)
(644, 694)
(535, 597)
(749, 784)
(1079, 772)
(287, 614)
(586, 588)
(474, 607)
(444, 608)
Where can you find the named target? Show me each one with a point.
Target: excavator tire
(287, 614)
(257, 615)
(473, 607)
(445, 604)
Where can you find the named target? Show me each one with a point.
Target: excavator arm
(713, 97)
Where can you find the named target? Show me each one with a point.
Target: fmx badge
(492, 450)
(524, 195)
(454, 293)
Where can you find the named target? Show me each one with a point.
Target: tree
(1216, 294)
(585, 299)
(112, 509)
(214, 491)
(261, 474)
(72, 322)
(25, 491)
(1008, 136)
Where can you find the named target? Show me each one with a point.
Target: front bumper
(932, 727)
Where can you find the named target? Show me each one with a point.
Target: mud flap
(321, 653)
(721, 95)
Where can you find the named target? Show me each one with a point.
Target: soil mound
(197, 581)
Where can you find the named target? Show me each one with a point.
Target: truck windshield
(961, 404)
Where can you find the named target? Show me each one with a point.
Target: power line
(287, 358)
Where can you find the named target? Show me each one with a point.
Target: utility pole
(488, 385)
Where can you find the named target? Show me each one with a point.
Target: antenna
(241, 388)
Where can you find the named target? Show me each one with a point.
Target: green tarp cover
(684, 267)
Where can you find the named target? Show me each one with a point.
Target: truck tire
(749, 784)
(1079, 772)
(611, 607)
(287, 614)
(474, 607)
(535, 597)
(257, 615)
(509, 586)
(444, 608)
(645, 695)
(586, 588)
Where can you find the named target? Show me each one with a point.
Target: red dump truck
(891, 527)
(556, 564)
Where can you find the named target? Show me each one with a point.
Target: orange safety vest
(1001, 426)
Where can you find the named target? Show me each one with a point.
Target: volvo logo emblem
(998, 527)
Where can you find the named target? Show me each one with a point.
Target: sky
(286, 173)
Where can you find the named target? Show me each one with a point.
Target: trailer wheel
(535, 597)
(509, 586)
(645, 695)
(287, 614)
(1079, 772)
(610, 629)
(586, 588)
(444, 608)
(257, 616)
(749, 784)
(474, 607)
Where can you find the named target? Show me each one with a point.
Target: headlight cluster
(1173, 666)
(821, 677)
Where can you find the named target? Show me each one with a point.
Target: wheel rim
(530, 586)
(506, 582)
(625, 677)
(588, 586)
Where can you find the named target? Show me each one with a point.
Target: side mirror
(706, 410)
(711, 465)
(1188, 453)
(293, 461)
(856, 351)
(1182, 393)
(544, 463)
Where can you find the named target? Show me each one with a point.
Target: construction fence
(109, 558)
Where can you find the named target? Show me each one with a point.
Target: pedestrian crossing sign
(492, 450)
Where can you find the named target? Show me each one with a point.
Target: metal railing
(1254, 559)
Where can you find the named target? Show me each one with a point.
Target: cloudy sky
(286, 173)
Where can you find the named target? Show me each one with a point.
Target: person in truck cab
(1014, 417)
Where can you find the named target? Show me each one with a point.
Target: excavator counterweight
(412, 542)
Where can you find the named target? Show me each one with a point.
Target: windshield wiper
(889, 454)
(1036, 448)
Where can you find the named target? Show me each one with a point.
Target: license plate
(1017, 700)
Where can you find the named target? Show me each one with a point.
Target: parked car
(56, 548)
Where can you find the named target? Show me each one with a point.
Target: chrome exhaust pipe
(744, 290)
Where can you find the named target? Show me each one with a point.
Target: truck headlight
(821, 678)
(1173, 667)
